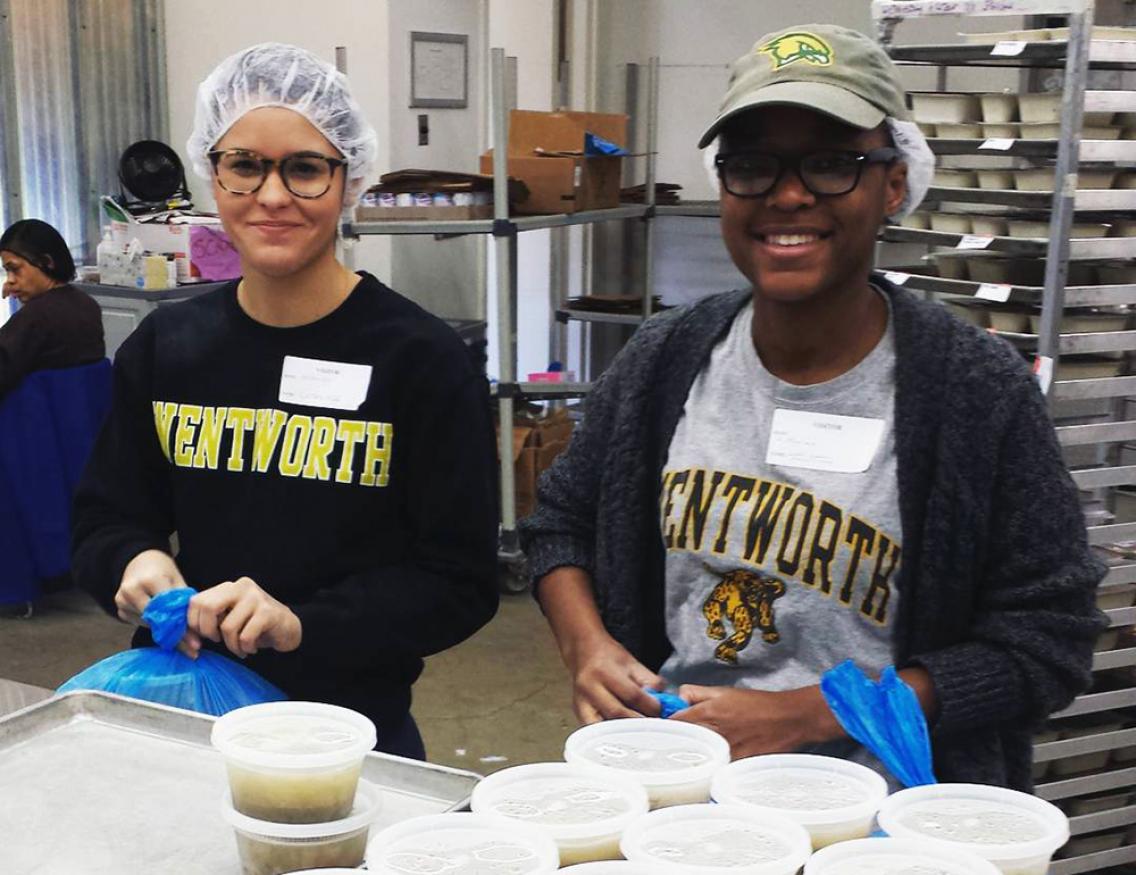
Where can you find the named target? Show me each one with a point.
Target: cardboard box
(546, 152)
(536, 444)
(203, 251)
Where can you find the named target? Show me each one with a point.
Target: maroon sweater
(58, 329)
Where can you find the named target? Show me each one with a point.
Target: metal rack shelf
(690, 209)
(496, 227)
(1075, 296)
(1118, 152)
(540, 391)
(1084, 200)
(1083, 248)
(1103, 55)
(568, 314)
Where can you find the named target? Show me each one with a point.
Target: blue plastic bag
(885, 717)
(211, 684)
(669, 703)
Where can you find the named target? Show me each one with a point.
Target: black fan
(152, 178)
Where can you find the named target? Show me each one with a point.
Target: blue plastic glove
(669, 703)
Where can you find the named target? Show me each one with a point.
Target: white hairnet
(274, 74)
(914, 152)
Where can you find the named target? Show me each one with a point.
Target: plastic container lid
(567, 802)
(991, 822)
(462, 844)
(293, 735)
(812, 790)
(710, 838)
(368, 801)
(653, 750)
(896, 857)
(610, 867)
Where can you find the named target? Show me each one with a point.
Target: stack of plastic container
(295, 797)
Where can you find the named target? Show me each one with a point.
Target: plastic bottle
(104, 256)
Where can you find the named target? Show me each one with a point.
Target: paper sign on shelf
(998, 144)
(897, 277)
(974, 241)
(1008, 48)
(994, 292)
(1043, 370)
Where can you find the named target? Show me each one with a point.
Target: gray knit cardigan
(997, 581)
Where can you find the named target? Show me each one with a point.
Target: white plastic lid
(368, 801)
(610, 867)
(293, 735)
(812, 790)
(709, 838)
(568, 802)
(461, 844)
(992, 822)
(896, 857)
(652, 750)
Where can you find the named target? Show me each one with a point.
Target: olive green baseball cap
(829, 69)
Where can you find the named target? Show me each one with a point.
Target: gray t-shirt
(775, 574)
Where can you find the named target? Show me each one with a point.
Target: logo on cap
(792, 47)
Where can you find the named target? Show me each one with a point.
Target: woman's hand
(608, 682)
(758, 722)
(147, 574)
(245, 617)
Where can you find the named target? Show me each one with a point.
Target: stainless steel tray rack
(98, 784)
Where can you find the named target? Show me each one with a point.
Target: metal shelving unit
(505, 230)
(1086, 761)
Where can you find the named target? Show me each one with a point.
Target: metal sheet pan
(95, 784)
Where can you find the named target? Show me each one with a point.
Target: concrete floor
(499, 699)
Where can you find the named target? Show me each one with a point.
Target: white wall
(526, 29)
(442, 276)
(200, 33)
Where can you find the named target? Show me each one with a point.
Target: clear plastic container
(1016, 832)
(835, 800)
(896, 857)
(461, 844)
(583, 811)
(674, 761)
(717, 840)
(267, 848)
(611, 867)
(293, 762)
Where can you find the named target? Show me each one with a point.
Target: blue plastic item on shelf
(211, 684)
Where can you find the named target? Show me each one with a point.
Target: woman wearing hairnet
(320, 445)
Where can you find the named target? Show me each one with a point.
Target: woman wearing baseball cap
(821, 466)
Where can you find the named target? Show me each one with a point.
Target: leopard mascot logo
(746, 600)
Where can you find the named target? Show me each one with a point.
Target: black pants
(401, 738)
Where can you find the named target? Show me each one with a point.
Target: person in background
(321, 445)
(57, 325)
(821, 466)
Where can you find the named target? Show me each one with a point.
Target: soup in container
(835, 800)
(267, 848)
(583, 811)
(461, 844)
(674, 761)
(1016, 832)
(720, 839)
(896, 857)
(293, 762)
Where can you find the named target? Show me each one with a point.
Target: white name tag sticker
(974, 241)
(319, 383)
(1008, 48)
(1000, 144)
(994, 292)
(823, 442)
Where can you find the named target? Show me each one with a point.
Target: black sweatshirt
(61, 328)
(377, 526)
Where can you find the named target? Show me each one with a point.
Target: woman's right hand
(608, 682)
(147, 574)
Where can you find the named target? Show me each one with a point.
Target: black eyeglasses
(755, 174)
(305, 174)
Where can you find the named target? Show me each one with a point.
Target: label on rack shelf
(897, 277)
(1008, 48)
(994, 292)
(998, 144)
(974, 241)
(1043, 370)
